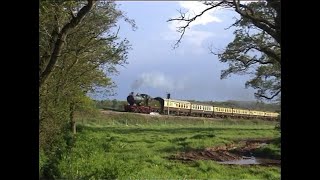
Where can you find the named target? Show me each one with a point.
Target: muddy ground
(236, 152)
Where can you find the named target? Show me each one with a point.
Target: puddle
(243, 161)
(239, 153)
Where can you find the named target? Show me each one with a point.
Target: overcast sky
(188, 72)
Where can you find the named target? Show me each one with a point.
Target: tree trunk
(61, 37)
(72, 121)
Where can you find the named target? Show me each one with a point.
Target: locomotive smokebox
(136, 99)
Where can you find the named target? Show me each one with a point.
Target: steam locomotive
(143, 103)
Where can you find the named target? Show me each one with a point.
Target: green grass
(129, 146)
(271, 150)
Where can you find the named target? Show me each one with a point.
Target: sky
(187, 72)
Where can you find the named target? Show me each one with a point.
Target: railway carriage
(143, 103)
(176, 107)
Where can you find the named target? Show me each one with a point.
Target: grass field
(130, 146)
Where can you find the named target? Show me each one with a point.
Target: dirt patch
(240, 152)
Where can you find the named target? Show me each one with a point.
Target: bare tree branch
(188, 20)
(270, 28)
(241, 54)
(268, 97)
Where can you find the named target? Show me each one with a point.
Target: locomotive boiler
(142, 103)
(138, 99)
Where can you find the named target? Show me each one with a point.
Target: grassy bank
(131, 146)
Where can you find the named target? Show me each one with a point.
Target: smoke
(196, 86)
(159, 81)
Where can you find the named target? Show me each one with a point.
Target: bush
(42, 161)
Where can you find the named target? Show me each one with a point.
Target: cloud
(197, 86)
(196, 7)
(193, 37)
(196, 37)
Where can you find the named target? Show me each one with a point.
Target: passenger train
(143, 103)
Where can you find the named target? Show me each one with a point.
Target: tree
(89, 53)
(256, 48)
(57, 38)
(114, 103)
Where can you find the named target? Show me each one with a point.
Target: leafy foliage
(256, 48)
(89, 53)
